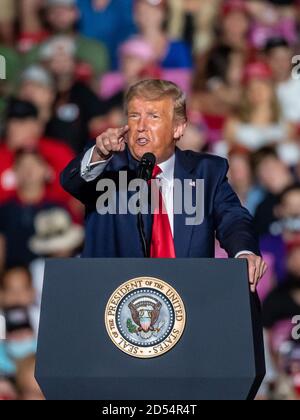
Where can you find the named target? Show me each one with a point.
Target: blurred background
(68, 64)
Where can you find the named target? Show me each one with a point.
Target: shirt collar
(168, 168)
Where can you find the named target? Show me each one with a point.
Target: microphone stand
(145, 173)
(141, 229)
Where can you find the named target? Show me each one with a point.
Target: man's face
(62, 18)
(240, 173)
(30, 171)
(273, 174)
(291, 205)
(23, 133)
(62, 64)
(17, 290)
(289, 213)
(39, 95)
(280, 62)
(152, 128)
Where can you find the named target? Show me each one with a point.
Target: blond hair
(246, 109)
(153, 90)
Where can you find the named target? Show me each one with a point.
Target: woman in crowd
(257, 122)
(150, 18)
(217, 88)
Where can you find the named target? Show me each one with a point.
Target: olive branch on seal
(131, 327)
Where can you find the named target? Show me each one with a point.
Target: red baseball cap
(231, 6)
(257, 70)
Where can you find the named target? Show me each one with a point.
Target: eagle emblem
(145, 312)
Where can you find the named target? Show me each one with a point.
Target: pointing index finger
(122, 134)
(123, 130)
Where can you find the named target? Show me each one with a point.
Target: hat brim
(67, 242)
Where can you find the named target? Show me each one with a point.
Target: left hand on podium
(257, 269)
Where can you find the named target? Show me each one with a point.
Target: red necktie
(162, 243)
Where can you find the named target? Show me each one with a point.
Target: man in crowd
(24, 131)
(157, 119)
(61, 17)
(17, 215)
(77, 109)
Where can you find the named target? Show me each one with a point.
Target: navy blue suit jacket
(115, 236)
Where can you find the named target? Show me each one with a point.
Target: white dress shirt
(167, 176)
(91, 171)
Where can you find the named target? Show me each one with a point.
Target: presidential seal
(145, 317)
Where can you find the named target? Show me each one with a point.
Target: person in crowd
(234, 25)
(222, 77)
(17, 291)
(193, 21)
(61, 17)
(289, 214)
(285, 231)
(283, 303)
(16, 300)
(150, 18)
(38, 87)
(272, 18)
(279, 55)
(24, 130)
(136, 59)
(242, 179)
(18, 214)
(7, 22)
(279, 310)
(31, 28)
(108, 21)
(55, 236)
(8, 391)
(258, 121)
(217, 88)
(77, 109)
(274, 176)
(193, 139)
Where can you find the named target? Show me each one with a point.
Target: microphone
(145, 171)
(146, 166)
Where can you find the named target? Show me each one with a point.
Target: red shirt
(58, 157)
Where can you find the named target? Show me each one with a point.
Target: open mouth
(142, 141)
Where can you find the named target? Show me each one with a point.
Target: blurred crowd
(68, 65)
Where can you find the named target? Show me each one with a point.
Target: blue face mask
(21, 349)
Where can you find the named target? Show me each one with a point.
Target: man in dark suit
(157, 119)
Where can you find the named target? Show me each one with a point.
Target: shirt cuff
(92, 170)
(244, 253)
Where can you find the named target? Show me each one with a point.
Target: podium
(219, 355)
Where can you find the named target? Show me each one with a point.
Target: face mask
(21, 349)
